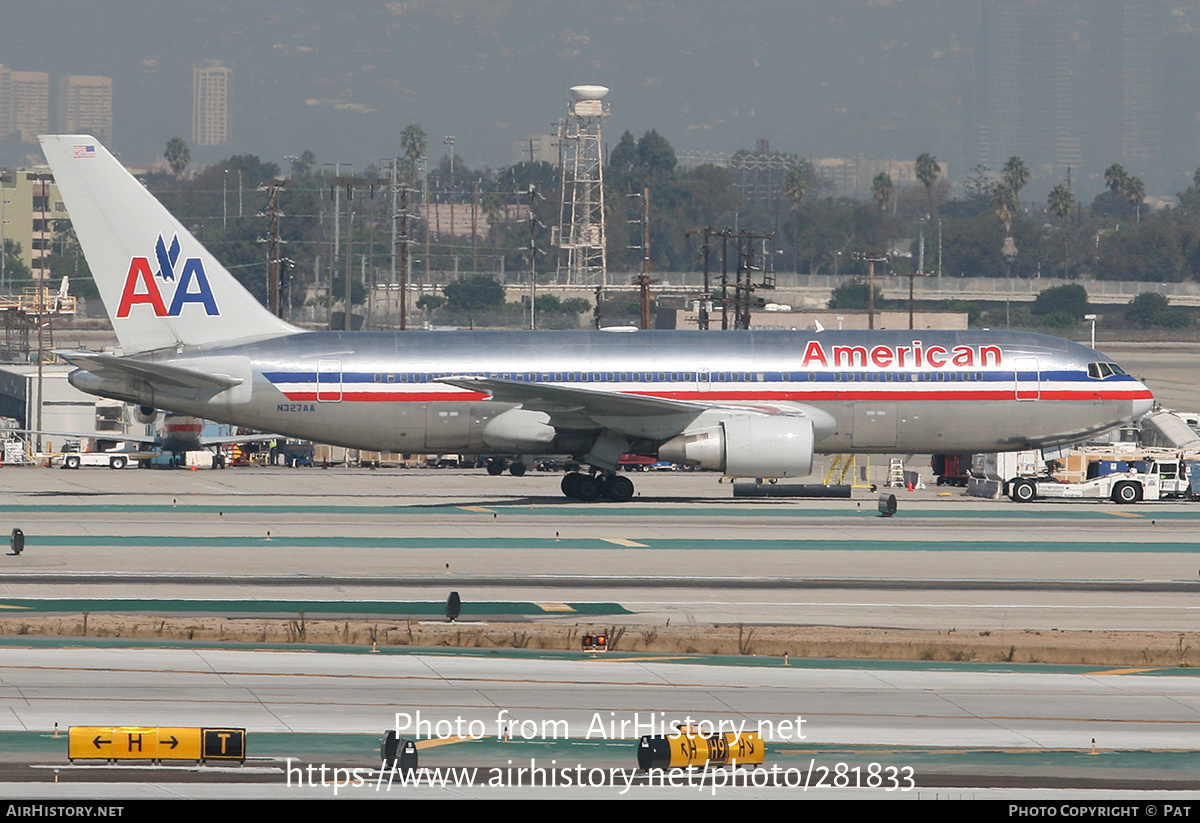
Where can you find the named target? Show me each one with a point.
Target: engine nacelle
(145, 414)
(747, 446)
(519, 431)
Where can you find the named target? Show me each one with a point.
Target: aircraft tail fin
(161, 288)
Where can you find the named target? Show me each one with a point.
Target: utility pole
(350, 183)
(449, 141)
(704, 304)
(273, 243)
(532, 259)
(643, 280)
(404, 259)
(871, 259)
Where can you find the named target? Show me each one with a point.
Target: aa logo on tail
(190, 286)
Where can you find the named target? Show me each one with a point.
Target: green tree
(797, 183)
(1016, 174)
(623, 159)
(1150, 310)
(414, 141)
(854, 295)
(656, 155)
(881, 188)
(15, 269)
(928, 172)
(1071, 300)
(1060, 202)
(305, 163)
(473, 294)
(177, 154)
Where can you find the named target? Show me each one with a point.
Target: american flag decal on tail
(84, 151)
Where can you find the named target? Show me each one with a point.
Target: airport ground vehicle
(118, 458)
(1127, 482)
(747, 403)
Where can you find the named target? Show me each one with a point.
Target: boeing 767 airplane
(747, 403)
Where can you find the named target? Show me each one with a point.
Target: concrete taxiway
(684, 550)
(354, 541)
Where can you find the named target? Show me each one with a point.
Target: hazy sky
(815, 77)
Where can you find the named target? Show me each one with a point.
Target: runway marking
(714, 543)
(441, 741)
(479, 509)
(554, 607)
(1130, 671)
(640, 659)
(1122, 514)
(10, 606)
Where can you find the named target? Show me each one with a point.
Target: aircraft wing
(563, 400)
(123, 438)
(108, 366)
(635, 415)
(226, 440)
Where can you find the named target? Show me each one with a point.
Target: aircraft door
(874, 425)
(329, 381)
(1027, 377)
(703, 380)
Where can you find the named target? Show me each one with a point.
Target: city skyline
(1061, 84)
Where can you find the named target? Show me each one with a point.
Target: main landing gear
(496, 467)
(590, 487)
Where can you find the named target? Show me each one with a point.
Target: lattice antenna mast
(582, 232)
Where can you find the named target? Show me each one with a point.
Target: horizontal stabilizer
(108, 366)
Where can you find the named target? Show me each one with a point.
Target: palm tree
(414, 141)
(799, 180)
(928, 172)
(882, 188)
(177, 155)
(1004, 199)
(1016, 174)
(1061, 201)
(1135, 193)
(1115, 177)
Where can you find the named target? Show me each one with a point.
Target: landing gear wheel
(1023, 491)
(588, 489)
(517, 469)
(570, 484)
(495, 467)
(1127, 493)
(620, 489)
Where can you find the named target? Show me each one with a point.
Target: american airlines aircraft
(747, 403)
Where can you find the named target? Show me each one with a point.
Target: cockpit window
(1099, 371)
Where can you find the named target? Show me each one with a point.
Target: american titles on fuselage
(915, 356)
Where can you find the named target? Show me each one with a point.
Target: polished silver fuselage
(889, 391)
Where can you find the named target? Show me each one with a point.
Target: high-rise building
(210, 103)
(85, 106)
(1023, 103)
(29, 104)
(1128, 76)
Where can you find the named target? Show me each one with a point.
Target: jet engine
(520, 431)
(747, 446)
(145, 414)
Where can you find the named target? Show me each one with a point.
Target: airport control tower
(581, 230)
